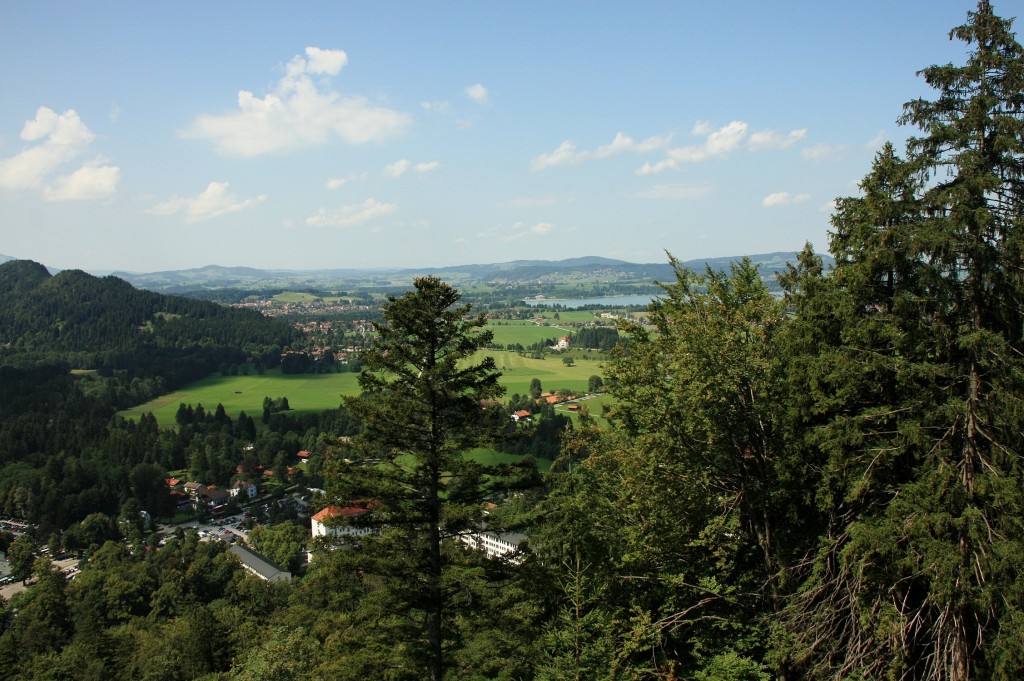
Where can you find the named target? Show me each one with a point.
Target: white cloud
(719, 143)
(88, 183)
(212, 202)
(397, 169)
(824, 153)
(783, 199)
(59, 138)
(566, 153)
(770, 139)
(877, 141)
(325, 61)
(674, 191)
(535, 201)
(339, 182)
(352, 215)
(298, 113)
(402, 166)
(623, 143)
(438, 106)
(827, 207)
(478, 93)
(655, 168)
(519, 231)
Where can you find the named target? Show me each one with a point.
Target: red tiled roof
(334, 511)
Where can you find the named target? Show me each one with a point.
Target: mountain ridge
(213, 276)
(216, 276)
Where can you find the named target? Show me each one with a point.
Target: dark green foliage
(105, 324)
(540, 438)
(673, 532)
(282, 543)
(918, 387)
(145, 616)
(596, 337)
(424, 405)
(828, 486)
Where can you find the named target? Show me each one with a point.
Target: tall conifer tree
(921, 393)
(423, 405)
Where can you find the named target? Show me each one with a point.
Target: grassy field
(490, 457)
(518, 371)
(316, 392)
(525, 333)
(305, 393)
(595, 406)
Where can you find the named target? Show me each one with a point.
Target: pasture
(525, 333)
(595, 407)
(305, 393)
(517, 371)
(317, 392)
(492, 457)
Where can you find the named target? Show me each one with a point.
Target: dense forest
(823, 485)
(106, 325)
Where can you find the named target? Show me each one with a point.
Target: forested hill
(105, 324)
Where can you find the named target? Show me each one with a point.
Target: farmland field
(595, 406)
(316, 392)
(524, 332)
(305, 393)
(517, 371)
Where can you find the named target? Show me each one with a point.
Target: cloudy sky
(153, 136)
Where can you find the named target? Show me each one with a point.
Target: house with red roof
(335, 521)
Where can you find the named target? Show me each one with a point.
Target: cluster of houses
(524, 415)
(196, 496)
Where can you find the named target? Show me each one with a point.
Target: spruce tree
(919, 393)
(424, 403)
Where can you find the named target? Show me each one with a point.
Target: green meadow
(518, 371)
(316, 392)
(491, 457)
(595, 407)
(524, 332)
(305, 393)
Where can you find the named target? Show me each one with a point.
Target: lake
(605, 301)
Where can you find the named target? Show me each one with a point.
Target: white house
(243, 488)
(495, 544)
(321, 525)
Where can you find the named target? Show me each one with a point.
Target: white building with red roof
(334, 521)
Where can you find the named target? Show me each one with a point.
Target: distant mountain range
(517, 271)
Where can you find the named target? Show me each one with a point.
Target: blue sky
(153, 136)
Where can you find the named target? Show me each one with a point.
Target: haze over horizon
(161, 137)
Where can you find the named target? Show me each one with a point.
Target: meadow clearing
(316, 392)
